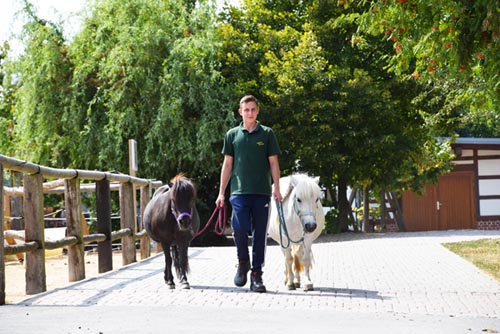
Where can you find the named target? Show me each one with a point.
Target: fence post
(2, 258)
(145, 242)
(73, 205)
(103, 208)
(127, 220)
(34, 231)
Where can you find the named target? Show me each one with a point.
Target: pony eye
(299, 200)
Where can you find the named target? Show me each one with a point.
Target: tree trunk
(383, 210)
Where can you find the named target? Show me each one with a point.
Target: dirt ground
(56, 269)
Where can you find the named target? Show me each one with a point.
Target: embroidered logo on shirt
(260, 143)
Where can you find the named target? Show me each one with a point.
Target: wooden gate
(445, 206)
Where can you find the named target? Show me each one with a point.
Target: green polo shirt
(251, 172)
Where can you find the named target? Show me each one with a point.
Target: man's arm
(275, 173)
(225, 176)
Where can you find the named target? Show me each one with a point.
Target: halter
(182, 214)
(297, 210)
(284, 229)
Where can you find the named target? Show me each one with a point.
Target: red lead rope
(220, 224)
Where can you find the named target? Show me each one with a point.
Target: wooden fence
(33, 206)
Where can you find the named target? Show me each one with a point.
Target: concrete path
(364, 283)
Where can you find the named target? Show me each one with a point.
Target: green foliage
(7, 105)
(53, 200)
(335, 110)
(356, 91)
(451, 43)
(44, 74)
(373, 213)
(147, 70)
(337, 113)
(332, 224)
(482, 123)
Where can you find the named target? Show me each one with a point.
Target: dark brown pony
(171, 219)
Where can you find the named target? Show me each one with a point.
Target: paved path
(364, 283)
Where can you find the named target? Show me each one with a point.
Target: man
(250, 160)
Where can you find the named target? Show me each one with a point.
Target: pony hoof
(296, 284)
(308, 287)
(185, 286)
(171, 286)
(291, 287)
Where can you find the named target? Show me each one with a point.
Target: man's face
(249, 111)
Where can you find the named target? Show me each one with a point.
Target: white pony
(304, 219)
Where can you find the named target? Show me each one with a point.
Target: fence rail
(68, 182)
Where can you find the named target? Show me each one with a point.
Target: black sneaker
(240, 279)
(256, 284)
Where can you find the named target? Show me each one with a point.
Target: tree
(167, 74)
(7, 92)
(142, 69)
(147, 70)
(337, 113)
(42, 76)
(454, 44)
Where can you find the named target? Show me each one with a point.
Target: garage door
(445, 206)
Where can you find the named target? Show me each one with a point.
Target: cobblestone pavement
(407, 281)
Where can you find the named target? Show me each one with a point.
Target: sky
(52, 10)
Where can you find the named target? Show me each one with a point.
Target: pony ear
(316, 179)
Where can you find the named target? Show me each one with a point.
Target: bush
(332, 225)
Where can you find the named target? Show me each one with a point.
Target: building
(466, 198)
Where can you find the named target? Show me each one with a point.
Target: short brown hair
(249, 98)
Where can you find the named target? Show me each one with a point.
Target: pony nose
(310, 227)
(185, 222)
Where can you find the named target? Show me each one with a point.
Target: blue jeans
(250, 214)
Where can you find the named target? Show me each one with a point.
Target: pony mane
(295, 179)
(178, 177)
(181, 183)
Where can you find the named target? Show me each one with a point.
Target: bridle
(300, 213)
(282, 225)
(182, 214)
(179, 215)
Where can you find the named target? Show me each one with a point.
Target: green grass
(483, 253)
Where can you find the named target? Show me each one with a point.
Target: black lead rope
(283, 228)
